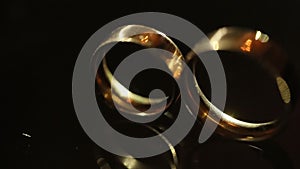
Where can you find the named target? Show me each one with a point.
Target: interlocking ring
(122, 97)
(129, 29)
(257, 46)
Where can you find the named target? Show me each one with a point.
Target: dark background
(42, 40)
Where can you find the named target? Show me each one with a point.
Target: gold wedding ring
(257, 46)
(146, 37)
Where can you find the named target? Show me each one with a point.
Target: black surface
(41, 41)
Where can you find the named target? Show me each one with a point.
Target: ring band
(257, 45)
(148, 38)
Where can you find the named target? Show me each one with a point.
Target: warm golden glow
(247, 45)
(144, 39)
(283, 89)
(106, 95)
(247, 138)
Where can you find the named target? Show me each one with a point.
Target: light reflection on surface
(26, 135)
(283, 89)
(263, 38)
(144, 39)
(214, 40)
(131, 163)
(257, 35)
(247, 45)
